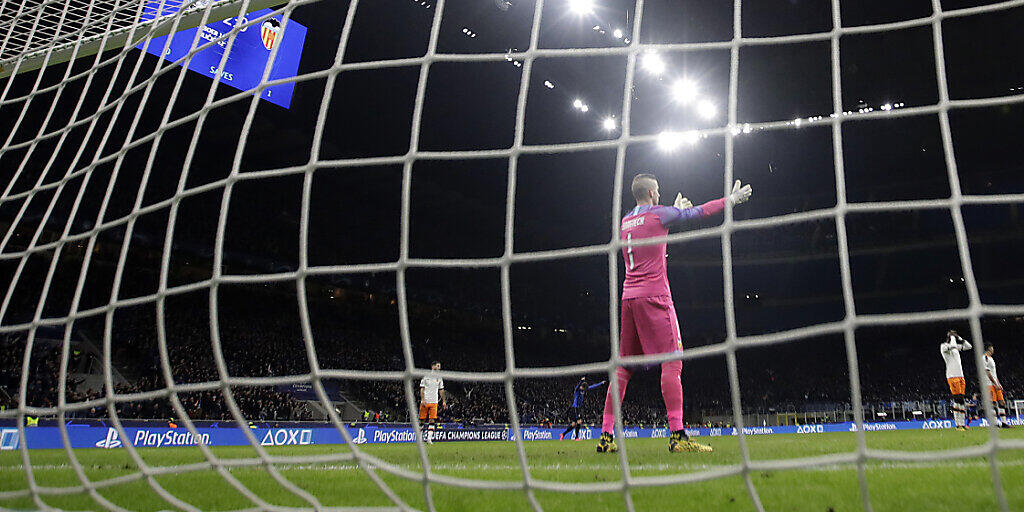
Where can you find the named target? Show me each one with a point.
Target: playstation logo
(853, 427)
(360, 437)
(9, 439)
(111, 441)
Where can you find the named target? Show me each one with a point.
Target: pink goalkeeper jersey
(646, 274)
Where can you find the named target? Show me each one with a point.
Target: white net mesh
(39, 34)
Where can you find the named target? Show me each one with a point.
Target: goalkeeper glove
(739, 194)
(681, 202)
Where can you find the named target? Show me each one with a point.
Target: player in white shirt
(431, 394)
(995, 388)
(950, 350)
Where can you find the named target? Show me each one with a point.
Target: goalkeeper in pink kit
(649, 324)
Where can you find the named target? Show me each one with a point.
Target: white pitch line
(567, 466)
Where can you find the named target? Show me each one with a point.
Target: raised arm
(599, 384)
(683, 209)
(671, 214)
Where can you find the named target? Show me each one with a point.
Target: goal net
(80, 104)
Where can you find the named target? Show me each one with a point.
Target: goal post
(32, 57)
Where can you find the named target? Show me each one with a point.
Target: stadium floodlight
(609, 123)
(887, 107)
(652, 63)
(577, 103)
(617, 33)
(669, 140)
(706, 109)
(581, 6)
(585, 108)
(548, 84)
(46, 50)
(684, 91)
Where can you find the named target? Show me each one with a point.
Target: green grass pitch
(954, 485)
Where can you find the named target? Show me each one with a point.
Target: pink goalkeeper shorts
(649, 326)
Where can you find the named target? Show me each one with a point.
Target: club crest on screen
(270, 32)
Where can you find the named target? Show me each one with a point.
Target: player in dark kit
(972, 409)
(573, 413)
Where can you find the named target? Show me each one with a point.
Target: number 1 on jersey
(629, 248)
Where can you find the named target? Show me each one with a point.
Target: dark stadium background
(784, 277)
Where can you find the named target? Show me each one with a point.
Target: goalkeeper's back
(646, 274)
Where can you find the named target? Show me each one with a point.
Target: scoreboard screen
(249, 53)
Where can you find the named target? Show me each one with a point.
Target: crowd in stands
(260, 335)
(255, 403)
(263, 344)
(260, 343)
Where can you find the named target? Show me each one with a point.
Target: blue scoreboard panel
(244, 66)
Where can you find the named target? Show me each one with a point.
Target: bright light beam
(684, 91)
(581, 6)
(669, 141)
(609, 124)
(706, 109)
(652, 63)
(577, 103)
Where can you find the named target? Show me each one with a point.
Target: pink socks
(608, 419)
(672, 391)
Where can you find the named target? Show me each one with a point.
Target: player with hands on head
(950, 350)
(649, 324)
